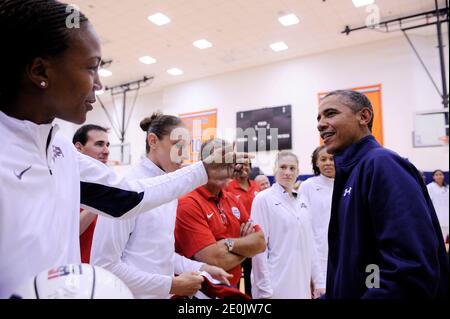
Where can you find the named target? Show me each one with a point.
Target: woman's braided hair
(30, 29)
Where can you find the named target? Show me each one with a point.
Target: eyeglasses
(223, 216)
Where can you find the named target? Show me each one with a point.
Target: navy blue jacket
(382, 215)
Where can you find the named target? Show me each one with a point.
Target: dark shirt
(382, 216)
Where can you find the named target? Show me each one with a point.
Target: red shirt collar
(234, 183)
(206, 194)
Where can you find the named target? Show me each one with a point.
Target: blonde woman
(286, 269)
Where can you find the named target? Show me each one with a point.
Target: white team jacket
(43, 178)
(440, 198)
(317, 192)
(141, 250)
(285, 269)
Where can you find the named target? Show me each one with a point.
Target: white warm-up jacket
(43, 180)
(289, 264)
(440, 197)
(317, 193)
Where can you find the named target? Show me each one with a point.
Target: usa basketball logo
(62, 271)
(57, 152)
(236, 212)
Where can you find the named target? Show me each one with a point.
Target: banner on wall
(264, 129)
(373, 93)
(202, 126)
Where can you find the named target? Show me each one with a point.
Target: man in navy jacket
(384, 237)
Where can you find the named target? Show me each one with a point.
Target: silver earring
(43, 84)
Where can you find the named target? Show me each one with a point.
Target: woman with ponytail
(140, 250)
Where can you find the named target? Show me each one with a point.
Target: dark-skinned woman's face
(73, 77)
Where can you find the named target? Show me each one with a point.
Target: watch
(229, 243)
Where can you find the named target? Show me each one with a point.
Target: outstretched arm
(104, 192)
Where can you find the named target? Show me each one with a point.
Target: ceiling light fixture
(147, 59)
(288, 20)
(362, 3)
(159, 19)
(104, 73)
(279, 46)
(175, 71)
(202, 44)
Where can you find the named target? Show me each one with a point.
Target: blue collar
(353, 154)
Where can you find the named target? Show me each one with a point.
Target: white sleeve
(260, 276)
(317, 273)
(430, 191)
(183, 264)
(104, 192)
(109, 242)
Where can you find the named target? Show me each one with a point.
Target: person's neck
(213, 190)
(152, 157)
(243, 182)
(357, 140)
(364, 134)
(24, 109)
(288, 189)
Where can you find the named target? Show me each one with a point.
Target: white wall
(405, 90)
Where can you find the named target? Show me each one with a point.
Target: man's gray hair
(354, 100)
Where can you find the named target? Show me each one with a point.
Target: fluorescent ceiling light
(202, 44)
(104, 73)
(99, 92)
(147, 59)
(279, 46)
(175, 71)
(159, 19)
(288, 20)
(362, 3)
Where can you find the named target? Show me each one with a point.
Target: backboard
(431, 128)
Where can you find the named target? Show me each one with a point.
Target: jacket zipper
(46, 150)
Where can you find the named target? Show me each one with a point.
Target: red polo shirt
(245, 196)
(203, 219)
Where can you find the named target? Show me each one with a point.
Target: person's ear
(365, 116)
(152, 140)
(79, 146)
(37, 72)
